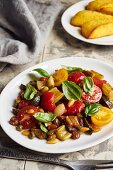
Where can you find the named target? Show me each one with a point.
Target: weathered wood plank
(42, 166)
(10, 164)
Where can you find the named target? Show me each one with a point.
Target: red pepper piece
(76, 77)
(99, 82)
(47, 101)
(76, 108)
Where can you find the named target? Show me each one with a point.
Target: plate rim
(84, 40)
(69, 150)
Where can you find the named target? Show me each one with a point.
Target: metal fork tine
(105, 166)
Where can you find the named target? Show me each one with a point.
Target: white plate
(75, 31)
(10, 93)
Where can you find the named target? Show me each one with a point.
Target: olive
(53, 136)
(52, 126)
(21, 94)
(14, 121)
(71, 129)
(75, 135)
(39, 134)
(57, 122)
(62, 119)
(22, 87)
(14, 111)
(31, 135)
(19, 128)
(51, 132)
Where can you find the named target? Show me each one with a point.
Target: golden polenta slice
(107, 9)
(102, 31)
(97, 4)
(88, 27)
(84, 16)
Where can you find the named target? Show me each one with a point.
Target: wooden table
(60, 44)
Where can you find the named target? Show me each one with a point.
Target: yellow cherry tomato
(102, 117)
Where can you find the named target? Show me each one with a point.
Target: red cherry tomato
(28, 123)
(76, 77)
(43, 79)
(77, 107)
(47, 101)
(22, 104)
(95, 97)
(25, 119)
(25, 110)
(99, 82)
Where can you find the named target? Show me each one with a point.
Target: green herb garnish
(44, 117)
(42, 72)
(71, 90)
(30, 92)
(92, 109)
(88, 85)
(72, 69)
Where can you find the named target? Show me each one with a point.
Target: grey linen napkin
(24, 27)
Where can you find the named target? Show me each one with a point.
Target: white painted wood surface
(60, 44)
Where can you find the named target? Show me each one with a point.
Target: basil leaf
(43, 128)
(88, 85)
(92, 109)
(71, 90)
(72, 69)
(42, 72)
(30, 92)
(44, 117)
(32, 76)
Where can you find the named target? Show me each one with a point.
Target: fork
(82, 164)
(23, 154)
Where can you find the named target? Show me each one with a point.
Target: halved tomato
(102, 117)
(95, 97)
(28, 123)
(25, 118)
(27, 109)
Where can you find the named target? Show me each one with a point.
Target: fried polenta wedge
(97, 4)
(107, 9)
(88, 27)
(84, 16)
(102, 31)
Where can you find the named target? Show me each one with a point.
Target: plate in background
(75, 31)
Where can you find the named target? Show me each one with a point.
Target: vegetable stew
(63, 105)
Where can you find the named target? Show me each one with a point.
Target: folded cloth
(24, 27)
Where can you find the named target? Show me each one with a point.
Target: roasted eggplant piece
(106, 102)
(87, 124)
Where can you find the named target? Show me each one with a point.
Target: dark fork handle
(33, 156)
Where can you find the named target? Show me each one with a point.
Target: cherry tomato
(25, 118)
(77, 107)
(47, 101)
(76, 77)
(99, 82)
(29, 123)
(27, 109)
(43, 79)
(102, 117)
(95, 97)
(22, 104)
